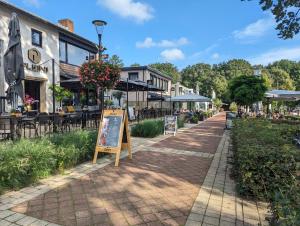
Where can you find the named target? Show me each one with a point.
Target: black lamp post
(99, 25)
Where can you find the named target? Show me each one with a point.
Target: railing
(28, 126)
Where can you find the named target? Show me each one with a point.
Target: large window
(36, 38)
(134, 76)
(72, 54)
(76, 55)
(63, 51)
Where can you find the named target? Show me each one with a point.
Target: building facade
(51, 53)
(151, 76)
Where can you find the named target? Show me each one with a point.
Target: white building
(149, 76)
(41, 42)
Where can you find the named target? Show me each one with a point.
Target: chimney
(67, 24)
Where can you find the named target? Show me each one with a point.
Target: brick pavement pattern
(203, 138)
(155, 188)
(182, 180)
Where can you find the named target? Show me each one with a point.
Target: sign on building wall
(35, 65)
(113, 134)
(170, 124)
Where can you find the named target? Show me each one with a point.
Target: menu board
(131, 113)
(113, 135)
(170, 124)
(110, 131)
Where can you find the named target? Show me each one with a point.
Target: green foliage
(180, 122)
(135, 65)
(287, 16)
(168, 69)
(234, 68)
(25, 161)
(281, 79)
(60, 93)
(194, 119)
(265, 165)
(218, 103)
(108, 102)
(116, 60)
(148, 128)
(233, 107)
(118, 95)
(246, 90)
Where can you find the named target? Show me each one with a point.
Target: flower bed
(265, 166)
(25, 161)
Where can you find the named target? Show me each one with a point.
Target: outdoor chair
(27, 125)
(44, 122)
(5, 130)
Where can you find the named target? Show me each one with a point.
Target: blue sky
(182, 32)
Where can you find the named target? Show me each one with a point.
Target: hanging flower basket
(99, 74)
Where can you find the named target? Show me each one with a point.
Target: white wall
(49, 50)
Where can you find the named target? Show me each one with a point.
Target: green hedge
(180, 122)
(148, 128)
(265, 166)
(25, 161)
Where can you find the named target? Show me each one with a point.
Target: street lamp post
(99, 25)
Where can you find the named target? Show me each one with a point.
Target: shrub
(25, 161)
(233, 107)
(180, 122)
(194, 119)
(148, 128)
(265, 165)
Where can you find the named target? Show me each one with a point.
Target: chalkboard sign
(170, 124)
(113, 135)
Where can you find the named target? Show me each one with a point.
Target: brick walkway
(171, 181)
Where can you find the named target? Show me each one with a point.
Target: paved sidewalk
(170, 181)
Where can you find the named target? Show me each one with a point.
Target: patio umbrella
(13, 63)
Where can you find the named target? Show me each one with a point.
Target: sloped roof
(190, 98)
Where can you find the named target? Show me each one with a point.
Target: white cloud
(148, 43)
(255, 30)
(172, 54)
(139, 11)
(205, 51)
(275, 55)
(35, 3)
(215, 56)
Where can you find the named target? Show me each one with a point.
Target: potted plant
(60, 93)
(28, 101)
(99, 75)
(108, 103)
(15, 113)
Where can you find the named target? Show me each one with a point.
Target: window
(180, 91)
(76, 55)
(71, 54)
(63, 51)
(134, 76)
(36, 38)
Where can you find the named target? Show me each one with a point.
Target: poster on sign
(131, 113)
(170, 124)
(113, 134)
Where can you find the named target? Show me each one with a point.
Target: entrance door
(32, 88)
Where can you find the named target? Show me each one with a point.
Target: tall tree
(291, 67)
(168, 69)
(234, 68)
(193, 74)
(287, 15)
(246, 90)
(116, 60)
(281, 79)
